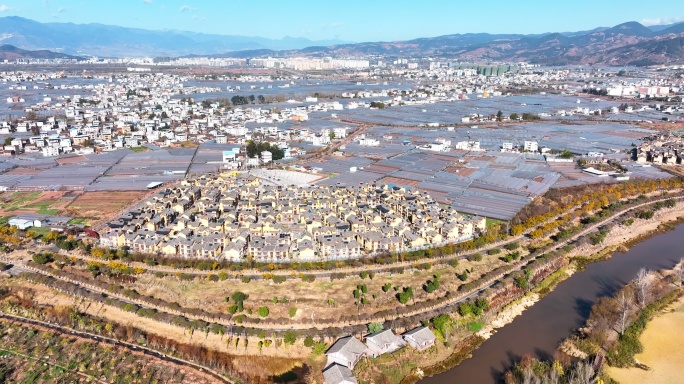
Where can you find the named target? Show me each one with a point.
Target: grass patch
(4, 219)
(41, 230)
(550, 282)
(388, 368)
(78, 222)
(475, 326)
(139, 149)
(18, 199)
(493, 222)
(43, 208)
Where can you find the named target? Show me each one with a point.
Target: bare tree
(625, 308)
(679, 272)
(643, 286)
(582, 374)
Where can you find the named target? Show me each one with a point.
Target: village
(235, 217)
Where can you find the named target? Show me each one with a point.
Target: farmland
(86, 207)
(36, 355)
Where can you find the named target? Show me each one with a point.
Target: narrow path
(121, 344)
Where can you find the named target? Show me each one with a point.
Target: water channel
(540, 329)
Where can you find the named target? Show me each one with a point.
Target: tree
(309, 342)
(624, 305)
(42, 258)
(499, 116)
(263, 311)
(290, 337)
(51, 236)
(405, 295)
(643, 286)
(251, 148)
(443, 324)
(432, 285)
(679, 272)
(374, 327)
(319, 348)
(239, 100)
(8, 140)
(514, 116)
(565, 154)
(239, 297)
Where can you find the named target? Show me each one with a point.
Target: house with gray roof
(346, 352)
(383, 342)
(420, 338)
(337, 374)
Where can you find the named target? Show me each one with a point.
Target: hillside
(10, 52)
(112, 41)
(629, 43)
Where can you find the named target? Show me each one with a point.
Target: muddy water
(540, 329)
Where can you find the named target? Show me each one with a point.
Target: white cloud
(186, 8)
(5, 8)
(61, 10)
(662, 20)
(147, 1)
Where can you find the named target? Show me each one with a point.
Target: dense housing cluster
(661, 149)
(235, 217)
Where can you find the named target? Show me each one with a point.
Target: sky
(350, 20)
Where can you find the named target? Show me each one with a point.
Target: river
(540, 329)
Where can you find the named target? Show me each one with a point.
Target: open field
(44, 203)
(86, 208)
(100, 206)
(248, 358)
(663, 354)
(321, 298)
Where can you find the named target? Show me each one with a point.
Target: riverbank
(507, 315)
(619, 239)
(662, 355)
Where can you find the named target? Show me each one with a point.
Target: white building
(266, 157)
(50, 151)
(531, 146)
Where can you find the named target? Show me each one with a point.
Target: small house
(337, 374)
(383, 342)
(420, 338)
(346, 352)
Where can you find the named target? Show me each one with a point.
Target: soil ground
(663, 353)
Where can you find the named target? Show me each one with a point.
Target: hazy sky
(351, 20)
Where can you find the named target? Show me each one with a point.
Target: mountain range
(114, 41)
(630, 43)
(626, 44)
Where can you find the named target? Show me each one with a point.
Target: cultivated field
(86, 208)
(35, 355)
(101, 206)
(45, 203)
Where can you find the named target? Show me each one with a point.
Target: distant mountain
(658, 28)
(10, 52)
(628, 43)
(114, 41)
